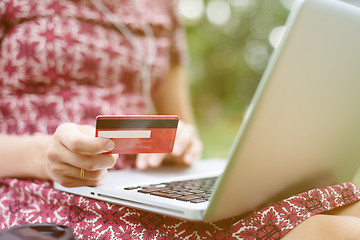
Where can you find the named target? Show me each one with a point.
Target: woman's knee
(326, 227)
(347, 210)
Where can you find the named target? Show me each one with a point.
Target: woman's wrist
(40, 157)
(24, 156)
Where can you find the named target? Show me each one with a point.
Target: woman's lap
(279, 218)
(25, 201)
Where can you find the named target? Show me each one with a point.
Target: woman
(62, 63)
(67, 69)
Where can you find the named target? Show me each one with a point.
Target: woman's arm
(72, 156)
(174, 98)
(23, 156)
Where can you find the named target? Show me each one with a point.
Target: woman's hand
(75, 157)
(187, 149)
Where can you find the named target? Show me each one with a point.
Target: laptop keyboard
(195, 191)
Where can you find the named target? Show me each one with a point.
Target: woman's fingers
(193, 152)
(144, 161)
(67, 170)
(71, 176)
(185, 134)
(67, 181)
(81, 139)
(59, 153)
(187, 149)
(77, 158)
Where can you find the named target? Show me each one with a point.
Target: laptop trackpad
(202, 168)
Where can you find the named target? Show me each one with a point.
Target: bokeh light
(287, 3)
(275, 36)
(191, 10)
(241, 3)
(218, 12)
(245, 7)
(256, 55)
(229, 43)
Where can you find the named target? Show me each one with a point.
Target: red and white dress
(63, 61)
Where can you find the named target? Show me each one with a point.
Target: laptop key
(188, 197)
(164, 194)
(132, 188)
(185, 193)
(194, 191)
(152, 189)
(198, 200)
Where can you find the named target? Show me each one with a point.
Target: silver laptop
(302, 128)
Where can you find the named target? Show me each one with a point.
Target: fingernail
(154, 161)
(188, 159)
(176, 151)
(109, 145)
(140, 164)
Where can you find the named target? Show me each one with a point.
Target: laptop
(301, 129)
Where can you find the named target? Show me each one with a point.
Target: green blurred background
(229, 42)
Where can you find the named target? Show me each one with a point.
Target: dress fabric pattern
(35, 201)
(63, 61)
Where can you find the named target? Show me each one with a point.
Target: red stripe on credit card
(138, 133)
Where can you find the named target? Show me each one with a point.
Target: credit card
(134, 134)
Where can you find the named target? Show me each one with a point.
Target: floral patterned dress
(64, 61)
